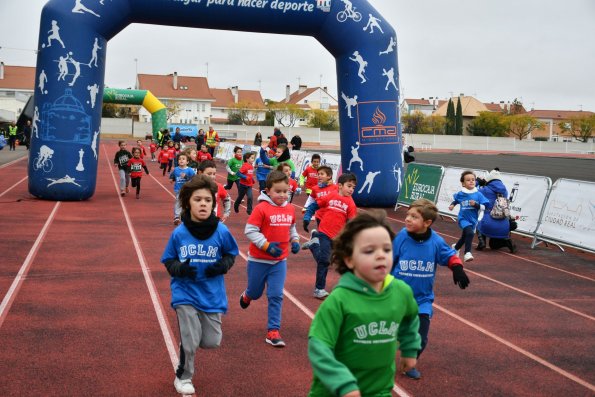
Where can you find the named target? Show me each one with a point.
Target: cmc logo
(377, 122)
(324, 5)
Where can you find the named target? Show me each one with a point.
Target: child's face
(415, 223)
(469, 181)
(372, 256)
(270, 154)
(238, 154)
(287, 171)
(278, 152)
(201, 205)
(346, 189)
(250, 159)
(136, 154)
(123, 146)
(210, 172)
(315, 163)
(203, 148)
(193, 154)
(278, 192)
(182, 161)
(139, 143)
(170, 144)
(323, 177)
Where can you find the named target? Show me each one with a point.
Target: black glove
(175, 268)
(460, 277)
(480, 181)
(222, 266)
(306, 223)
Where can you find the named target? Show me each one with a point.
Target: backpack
(501, 209)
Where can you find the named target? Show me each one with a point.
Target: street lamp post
(136, 73)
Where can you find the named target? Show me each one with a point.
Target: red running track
(85, 308)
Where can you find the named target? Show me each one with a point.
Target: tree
(521, 125)
(459, 119)
(580, 127)
(287, 114)
(435, 125)
(516, 107)
(450, 118)
(172, 109)
(323, 119)
(114, 110)
(247, 112)
(413, 123)
(488, 124)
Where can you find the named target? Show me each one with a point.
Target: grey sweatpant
(197, 329)
(124, 179)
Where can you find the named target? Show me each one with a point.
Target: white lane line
(519, 350)
(155, 299)
(13, 161)
(13, 186)
(22, 274)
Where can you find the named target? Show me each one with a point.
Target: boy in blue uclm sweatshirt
(417, 250)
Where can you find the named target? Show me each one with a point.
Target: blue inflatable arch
(71, 69)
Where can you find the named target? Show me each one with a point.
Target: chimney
(508, 107)
(287, 93)
(1, 70)
(325, 89)
(234, 92)
(502, 105)
(302, 88)
(175, 80)
(461, 95)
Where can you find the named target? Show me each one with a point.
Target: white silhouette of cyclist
(45, 153)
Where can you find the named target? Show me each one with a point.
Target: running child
(294, 189)
(282, 155)
(143, 151)
(325, 186)
(208, 168)
(233, 165)
(417, 249)
(121, 161)
(152, 149)
(171, 153)
(263, 170)
(246, 175)
(136, 165)
(192, 163)
(340, 207)
(163, 158)
(471, 202)
(272, 233)
(310, 174)
(179, 176)
(203, 154)
(178, 150)
(356, 331)
(197, 286)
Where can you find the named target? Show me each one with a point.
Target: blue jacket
(490, 227)
(468, 214)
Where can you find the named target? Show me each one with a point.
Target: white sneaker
(468, 257)
(320, 293)
(457, 250)
(184, 386)
(309, 243)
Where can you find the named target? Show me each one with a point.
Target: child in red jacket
(136, 165)
(246, 174)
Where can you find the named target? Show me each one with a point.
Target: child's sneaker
(274, 338)
(184, 386)
(127, 189)
(244, 300)
(413, 374)
(468, 257)
(312, 240)
(457, 250)
(320, 293)
(177, 221)
(122, 194)
(137, 196)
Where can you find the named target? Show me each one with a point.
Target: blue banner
(185, 129)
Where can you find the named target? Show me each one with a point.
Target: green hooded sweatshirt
(354, 336)
(234, 165)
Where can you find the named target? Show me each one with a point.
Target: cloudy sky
(539, 51)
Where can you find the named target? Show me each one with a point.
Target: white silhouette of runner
(79, 8)
(362, 65)
(372, 23)
(349, 102)
(390, 75)
(43, 78)
(355, 157)
(94, 52)
(94, 144)
(63, 67)
(77, 68)
(390, 47)
(34, 122)
(55, 34)
(65, 179)
(93, 90)
(369, 181)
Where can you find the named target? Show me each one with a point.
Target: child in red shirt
(163, 158)
(310, 174)
(340, 208)
(208, 168)
(136, 165)
(203, 154)
(143, 151)
(325, 186)
(171, 153)
(294, 189)
(271, 231)
(246, 174)
(152, 149)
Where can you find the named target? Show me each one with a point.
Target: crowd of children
(391, 272)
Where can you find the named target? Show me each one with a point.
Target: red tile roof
(162, 86)
(295, 97)
(558, 114)
(18, 78)
(412, 101)
(224, 97)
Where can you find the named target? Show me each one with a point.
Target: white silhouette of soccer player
(63, 67)
(94, 144)
(43, 78)
(94, 52)
(349, 103)
(390, 47)
(369, 181)
(79, 8)
(34, 122)
(65, 179)
(373, 22)
(390, 75)
(77, 68)
(362, 65)
(93, 90)
(55, 34)
(355, 157)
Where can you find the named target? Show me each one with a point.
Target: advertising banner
(301, 159)
(334, 161)
(451, 183)
(569, 214)
(185, 129)
(420, 181)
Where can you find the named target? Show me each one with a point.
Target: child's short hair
(135, 149)
(247, 155)
(283, 165)
(236, 148)
(203, 165)
(465, 173)
(315, 156)
(205, 145)
(121, 142)
(183, 154)
(276, 177)
(426, 208)
(343, 243)
(197, 182)
(348, 177)
(326, 169)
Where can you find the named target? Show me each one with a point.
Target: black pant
(244, 190)
(424, 330)
(230, 183)
(135, 182)
(12, 142)
(466, 238)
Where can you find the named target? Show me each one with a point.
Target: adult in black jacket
(281, 139)
(296, 142)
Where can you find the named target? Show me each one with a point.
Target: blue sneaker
(413, 374)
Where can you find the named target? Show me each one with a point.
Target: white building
(309, 99)
(16, 86)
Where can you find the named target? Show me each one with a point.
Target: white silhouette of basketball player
(369, 181)
(94, 52)
(362, 65)
(372, 23)
(79, 8)
(55, 34)
(63, 67)
(390, 47)
(94, 144)
(93, 90)
(355, 157)
(77, 68)
(390, 75)
(43, 78)
(349, 103)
